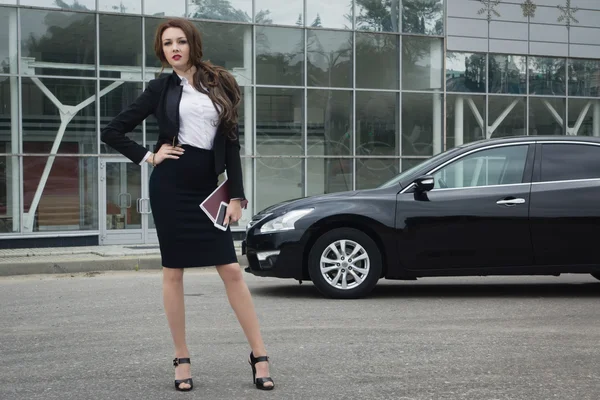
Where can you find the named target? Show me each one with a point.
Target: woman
(196, 110)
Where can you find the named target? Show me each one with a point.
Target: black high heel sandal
(176, 362)
(260, 382)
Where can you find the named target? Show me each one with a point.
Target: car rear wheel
(344, 263)
(596, 275)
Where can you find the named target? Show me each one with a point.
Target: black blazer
(162, 98)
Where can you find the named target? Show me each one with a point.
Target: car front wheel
(344, 263)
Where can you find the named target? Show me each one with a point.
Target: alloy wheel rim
(345, 264)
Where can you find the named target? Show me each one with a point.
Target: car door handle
(511, 202)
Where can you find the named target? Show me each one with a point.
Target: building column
(459, 118)
(249, 131)
(596, 121)
(437, 123)
(13, 171)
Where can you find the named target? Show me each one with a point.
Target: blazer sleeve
(114, 134)
(233, 164)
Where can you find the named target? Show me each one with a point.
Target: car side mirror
(424, 183)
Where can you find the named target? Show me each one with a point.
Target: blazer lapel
(172, 105)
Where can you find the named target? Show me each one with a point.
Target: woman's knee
(230, 273)
(172, 275)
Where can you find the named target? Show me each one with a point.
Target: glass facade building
(337, 95)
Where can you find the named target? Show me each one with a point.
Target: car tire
(596, 275)
(329, 276)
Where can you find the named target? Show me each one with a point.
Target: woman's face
(176, 48)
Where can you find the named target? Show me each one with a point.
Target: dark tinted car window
(562, 162)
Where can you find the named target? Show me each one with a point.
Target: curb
(84, 263)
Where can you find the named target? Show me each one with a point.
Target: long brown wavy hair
(223, 89)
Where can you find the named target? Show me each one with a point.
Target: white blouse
(198, 119)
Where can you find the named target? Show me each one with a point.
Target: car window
(498, 166)
(566, 161)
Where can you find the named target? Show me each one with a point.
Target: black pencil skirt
(187, 237)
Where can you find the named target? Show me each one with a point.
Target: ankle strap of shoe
(177, 361)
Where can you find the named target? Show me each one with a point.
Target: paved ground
(61, 260)
(104, 336)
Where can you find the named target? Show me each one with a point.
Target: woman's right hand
(167, 151)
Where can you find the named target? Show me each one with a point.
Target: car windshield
(410, 171)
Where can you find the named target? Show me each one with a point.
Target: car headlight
(285, 222)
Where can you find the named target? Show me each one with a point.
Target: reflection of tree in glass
(418, 15)
(583, 77)
(471, 78)
(221, 10)
(546, 75)
(505, 74)
(377, 15)
(75, 6)
(70, 38)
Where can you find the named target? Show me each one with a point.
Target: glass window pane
(372, 172)
(329, 58)
(329, 14)
(10, 192)
(377, 63)
(584, 117)
(507, 116)
(279, 56)
(583, 78)
(173, 8)
(277, 180)
(547, 76)
(329, 122)
(377, 124)
(272, 12)
(499, 166)
(425, 17)
(465, 119)
(508, 74)
(116, 60)
(558, 165)
(421, 124)
(69, 197)
(465, 72)
(221, 10)
(9, 115)
(8, 40)
(119, 96)
(8, 2)
(546, 116)
(153, 65)
(422, 63)
(65, 40)
(49, 121)
(329, 175)
(75, 5)
(279, 122)
(118, 6)
(377, 15)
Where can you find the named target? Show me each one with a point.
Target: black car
(510, 206)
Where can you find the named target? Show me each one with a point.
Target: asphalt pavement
(103, 335)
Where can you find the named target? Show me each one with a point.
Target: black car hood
(308, 201)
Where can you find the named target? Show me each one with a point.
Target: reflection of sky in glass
(456, 61)
(280, 12)
(332, 13)
(79, 5)
(126, 6)
(222, 10)
(175, 8)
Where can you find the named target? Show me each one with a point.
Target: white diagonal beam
(554, 113)
(476, 113)
(573, 131)
(501, 118)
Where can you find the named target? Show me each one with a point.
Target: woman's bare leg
(175, 310)
(241, 302)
